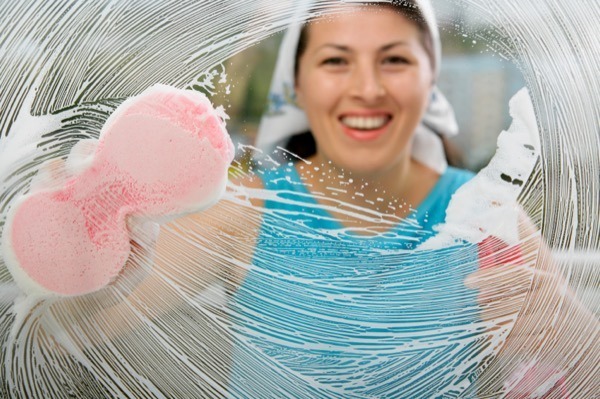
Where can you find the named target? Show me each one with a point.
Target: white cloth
(284, 118)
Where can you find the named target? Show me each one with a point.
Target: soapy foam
(487, 205)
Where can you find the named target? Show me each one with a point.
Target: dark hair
(302, 144)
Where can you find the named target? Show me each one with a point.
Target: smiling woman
(320, 313)
(364, 90)
(337, 303)
(364, 81)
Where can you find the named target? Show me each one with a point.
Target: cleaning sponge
(163, 153)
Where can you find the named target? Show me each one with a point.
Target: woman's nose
(366, 84)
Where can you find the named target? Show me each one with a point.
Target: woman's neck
(391, 192)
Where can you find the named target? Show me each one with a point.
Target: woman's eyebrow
(393, 44)
(345, 48)
(340, 47)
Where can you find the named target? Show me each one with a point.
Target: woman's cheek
(311, 80)
(334, 82)
(411, 91)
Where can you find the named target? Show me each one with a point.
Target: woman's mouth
(365, 127)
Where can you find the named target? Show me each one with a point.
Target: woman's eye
(397, 60)
(334, 61)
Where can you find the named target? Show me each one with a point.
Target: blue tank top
(326, 313)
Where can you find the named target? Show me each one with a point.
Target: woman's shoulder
(441, 194)
(281, 177)
(244, 181)
(453, 177)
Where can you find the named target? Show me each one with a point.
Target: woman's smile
(365, 126)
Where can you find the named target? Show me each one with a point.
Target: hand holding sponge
(162, 153)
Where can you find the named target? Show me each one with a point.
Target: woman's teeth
(364, 122)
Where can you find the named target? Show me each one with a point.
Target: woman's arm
(197, 260)
(204, 250)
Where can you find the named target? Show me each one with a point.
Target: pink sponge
(162, 153)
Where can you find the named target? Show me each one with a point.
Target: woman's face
(364, 82)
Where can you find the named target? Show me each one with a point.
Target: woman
(333, 304)
(320, 315)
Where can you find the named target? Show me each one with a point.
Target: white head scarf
(284, 118)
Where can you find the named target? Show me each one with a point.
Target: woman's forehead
(354, 25)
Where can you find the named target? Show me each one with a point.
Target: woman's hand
(552, 342)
